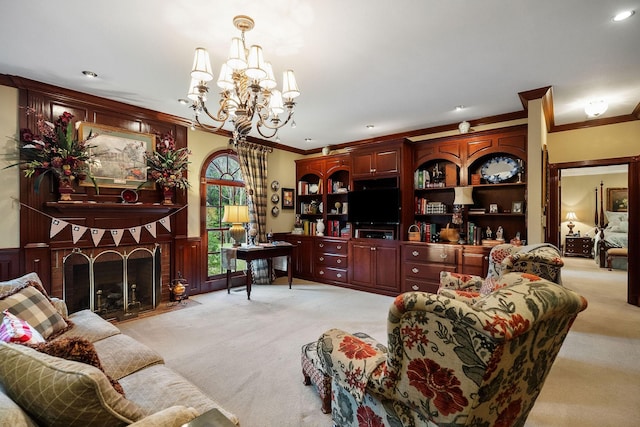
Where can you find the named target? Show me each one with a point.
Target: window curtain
(253, 164)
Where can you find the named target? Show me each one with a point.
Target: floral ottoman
(314, 374)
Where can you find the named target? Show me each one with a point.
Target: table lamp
(462, 197)
(571, 216)
(237, 216)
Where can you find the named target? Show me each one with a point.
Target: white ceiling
(400, 65)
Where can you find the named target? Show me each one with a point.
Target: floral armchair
(539, 261)
(450, 363)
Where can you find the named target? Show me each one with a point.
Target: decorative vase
(65, 188)
(167, 193)
(320, 227)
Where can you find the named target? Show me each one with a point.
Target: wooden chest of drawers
(578, 246)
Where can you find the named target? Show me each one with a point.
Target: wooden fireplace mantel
(104, 207)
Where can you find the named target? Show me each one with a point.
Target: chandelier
(248, 89)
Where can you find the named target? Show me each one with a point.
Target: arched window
(224, 185)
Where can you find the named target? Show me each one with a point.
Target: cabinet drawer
(471, 259)
(332, 246)
(439, 254)
(328, 260)
(332, 274)
(426, 271)
(412, 285)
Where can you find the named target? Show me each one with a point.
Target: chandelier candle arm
(248, 89)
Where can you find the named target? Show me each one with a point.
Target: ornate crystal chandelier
(247, 86)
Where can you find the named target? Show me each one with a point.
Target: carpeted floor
(246, 354)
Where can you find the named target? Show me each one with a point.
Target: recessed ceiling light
(623, 15)
(183, 101)
(459, 107)
(370, 127)
(90, 74)
(596, 107)
(307, 140)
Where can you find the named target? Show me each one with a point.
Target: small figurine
(499, 234)
(489, 233)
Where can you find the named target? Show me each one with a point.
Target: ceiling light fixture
(596, 108)
(248, 89)
(90, 74)
(623, 15)
(370, 127)
(183, 101)
(459, 107)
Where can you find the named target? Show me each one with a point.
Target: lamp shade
(201, 66)
(571, 216)
(236, 214)
(463, 196)
(289, 85)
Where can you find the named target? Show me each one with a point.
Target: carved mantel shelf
(105, 207)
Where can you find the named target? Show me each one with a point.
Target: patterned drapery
(253, 164)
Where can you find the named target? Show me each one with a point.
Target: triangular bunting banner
(57, 225)
(135, 232)
(96, 235)
(117, 235)
(151, 228)
(77, 231)
(167, 224)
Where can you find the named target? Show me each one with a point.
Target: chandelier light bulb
(193, 92)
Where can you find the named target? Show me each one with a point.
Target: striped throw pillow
(14, 329)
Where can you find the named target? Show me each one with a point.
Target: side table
(578, 246)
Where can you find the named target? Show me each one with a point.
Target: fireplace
(116, 283)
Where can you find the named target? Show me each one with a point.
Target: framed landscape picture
(617, 199)
(287, 198)
(120, 156)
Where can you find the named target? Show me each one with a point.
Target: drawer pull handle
(415, 253)
(321, 245)
(415, 287)
(321, 272)
(339, 247)
(443, 255)
(339, 275)
(321, 258)
(415, 270)
(339, 261)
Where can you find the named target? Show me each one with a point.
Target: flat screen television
(374, 206)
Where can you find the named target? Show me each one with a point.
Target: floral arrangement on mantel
(168, 165)
(54, 149)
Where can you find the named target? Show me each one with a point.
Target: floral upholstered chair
(540, 261)
(451, 363)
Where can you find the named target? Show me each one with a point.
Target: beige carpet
(246, 354)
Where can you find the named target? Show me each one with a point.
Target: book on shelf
(477, 211)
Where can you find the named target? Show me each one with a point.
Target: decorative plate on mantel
(499, 169)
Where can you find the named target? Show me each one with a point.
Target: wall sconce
(237, 216)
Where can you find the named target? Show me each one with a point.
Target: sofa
(449, 362)
(123, 382)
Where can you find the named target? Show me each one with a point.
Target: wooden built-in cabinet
(460, 159)
(331, 258)
(374, 265)
(423, 262)
(426, 173)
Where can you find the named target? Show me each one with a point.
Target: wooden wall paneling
(9, 264)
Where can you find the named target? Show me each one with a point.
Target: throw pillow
(59, 392)
(32, 306)
(17, 330)
(9, 286)
(76, 349)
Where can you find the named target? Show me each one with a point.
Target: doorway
(558, 205)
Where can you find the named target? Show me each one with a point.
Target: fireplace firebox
(116, 284)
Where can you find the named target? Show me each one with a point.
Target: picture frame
(617, 199)
(288, 198)
(493, 208)
(517, 207)
(120, 156)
